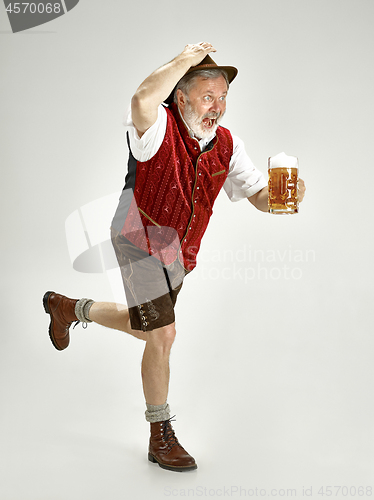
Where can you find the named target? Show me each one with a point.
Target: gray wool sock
(82, 309)
(157, 413)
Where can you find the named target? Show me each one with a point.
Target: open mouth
(209, 122)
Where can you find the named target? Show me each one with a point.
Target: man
(179, 159)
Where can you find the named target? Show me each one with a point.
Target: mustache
(212, 114)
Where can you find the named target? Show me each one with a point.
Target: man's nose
(216, 106)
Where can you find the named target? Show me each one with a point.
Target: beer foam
(282, 160)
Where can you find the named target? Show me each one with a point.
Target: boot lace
(83, 324)
(169, 435)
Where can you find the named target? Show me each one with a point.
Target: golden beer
(283, 196)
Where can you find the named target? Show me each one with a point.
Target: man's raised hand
(159, 84)
(196, 52)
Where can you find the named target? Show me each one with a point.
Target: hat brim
(230, 70)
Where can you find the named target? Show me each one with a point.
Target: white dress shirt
(244, 179)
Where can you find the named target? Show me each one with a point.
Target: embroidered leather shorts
(151, 287)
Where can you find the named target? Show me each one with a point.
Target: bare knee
(162, 338)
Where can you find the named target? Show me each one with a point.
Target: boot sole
(46, 308)
(154, 460)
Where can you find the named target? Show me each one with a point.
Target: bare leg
(114, 316)
(155, 364)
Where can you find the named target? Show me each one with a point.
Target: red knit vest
(175, 191)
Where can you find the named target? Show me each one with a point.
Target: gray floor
(259, 407)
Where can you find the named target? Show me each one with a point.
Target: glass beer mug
(283, 176)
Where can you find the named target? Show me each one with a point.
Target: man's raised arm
(158, 86)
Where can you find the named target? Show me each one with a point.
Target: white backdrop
(272, 374)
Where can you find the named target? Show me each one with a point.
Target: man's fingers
(301, 189)
(207, 45)
(196, 52)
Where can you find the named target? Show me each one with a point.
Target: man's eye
(207, 98)
(223, 98)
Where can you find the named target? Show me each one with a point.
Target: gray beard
(194, 121)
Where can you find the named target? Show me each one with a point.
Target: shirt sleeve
(145, 147)
(244, 179)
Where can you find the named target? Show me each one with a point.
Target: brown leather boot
(165, 449)
(62, 312)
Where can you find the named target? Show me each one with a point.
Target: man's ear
(181, 98)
